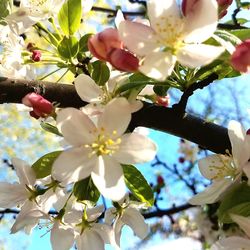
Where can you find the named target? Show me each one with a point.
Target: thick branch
(205, 134)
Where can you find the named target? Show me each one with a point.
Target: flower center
(105, 144)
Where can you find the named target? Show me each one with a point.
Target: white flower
(225, 170)
(172, 37)
(98, 150)
(98, 96)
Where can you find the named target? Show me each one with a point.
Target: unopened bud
(36, 55)
(248, 132)
(160, 180)
(240, 59)
(223, 5)
(163, 100)
(181, 159)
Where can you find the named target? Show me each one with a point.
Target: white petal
(197, 55)
(135, 148)
(24, 172)
(202, 22)
(12, 195)
(110, 215)
(105, 232)
(61, 237)
(94, 213)
(212, 193)
(243, 222)
(209, 166)
(158, 65)
(240, 143)
(75, 126)
(138, 38)
(90, 239)
(136, 222)
(87, 89)
(232, 243)
(108, 178)
(115, 117)
(73, 165)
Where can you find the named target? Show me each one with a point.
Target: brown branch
(207, 135)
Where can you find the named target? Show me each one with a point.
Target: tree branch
(207, 135)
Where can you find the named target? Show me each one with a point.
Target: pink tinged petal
(162, 15)
(243, 222)
(24, 172)
(201, 22)
(138, 38)
(87, 89)
(109, 179)
(158, 65)
(123, 60)
(209, 166)
(136, 222)
(73, 165)
(232, 243)
(212, 193)
(135, 148)
(188, 6)
(197, 55)
(90, 239)
(76, 127)
(115, 117)
(61, 237)
(239, 142)
(135, 106)
(12, 195)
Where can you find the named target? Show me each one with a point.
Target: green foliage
(68, 47)
(237, 201)
(242, 34)
(86, 190)
(43, 166)
(50, 128)
(83, 43)
(138, 185)
(100, 73)
(4, 9)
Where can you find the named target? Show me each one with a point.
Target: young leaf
(69, 16)
(5, 6)
(100, 73)
(83, 43)
(50, 128)
(68, 47)
(138, 185)
(86, 190)
(43, 166)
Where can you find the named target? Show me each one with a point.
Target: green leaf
(242, 209)
(138, 185)
(245, 5)
(86, 190)
(83, 43)
(235, 197)
(68, 47)
(243, 34)
(5, 7)
(50, 128)
(100, 73)
(69, 16)
(43, 166)
(161, 90)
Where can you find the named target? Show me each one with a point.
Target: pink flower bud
(102, 43)
(240, 59)
(163, 100)
(41, 106)
(188, 6)
(248, 132)
(160, 180)
(36, 55)
(123, 60)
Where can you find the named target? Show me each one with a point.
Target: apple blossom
(107, 46)
(172, 37)
(225, 170)
(98, 150)
(240, 59)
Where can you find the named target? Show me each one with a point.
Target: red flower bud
(41, 106)
(223, 5)
(160, 180)
(36, 55)
(248, 132)
(240, 59)
(163, 100)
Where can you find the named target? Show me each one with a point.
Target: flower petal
(212, 193)
(94, 213)
(105, 232)
(75, 126)
(87, 89)
(133, 218)
(158, 65)
(201, 22)
(12, 195)
(240, 143)
(138, 38)
(73, 165)
(231, 243)
(110, 215)
(108, 178)
(135, 148)
(115, 117)
(24, 172)
(197, 55)
(243, 222)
